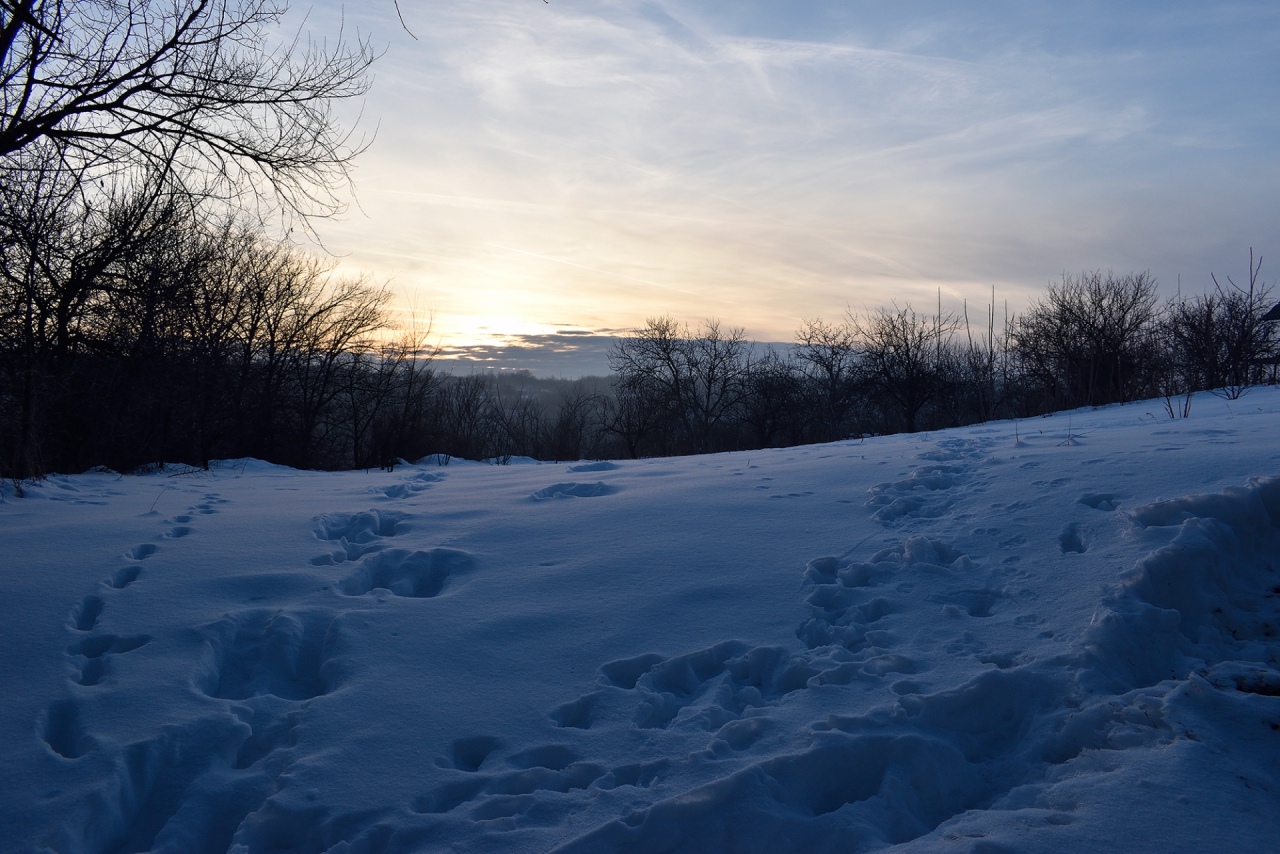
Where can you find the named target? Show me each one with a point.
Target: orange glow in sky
(541, 167)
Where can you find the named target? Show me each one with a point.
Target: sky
(542, 173)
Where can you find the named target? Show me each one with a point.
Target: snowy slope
(939, 642)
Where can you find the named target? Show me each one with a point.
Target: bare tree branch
(110, 85)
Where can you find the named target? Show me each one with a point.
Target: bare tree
(698, 378)
(194, 89)
(462, 414)
(576, 431)
(772, 404)
(1245, 338)
(983, 365)
(637, 410)
(125, 127)
(1090, 340)
(903, 352)
(69, 276)
(1219, 340)
(829, 359)
(335, 323)
(717, 362)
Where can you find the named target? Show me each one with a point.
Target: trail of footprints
(927, 491)
(726, 690)
(91, 653)
(410, 486)
(266, 664)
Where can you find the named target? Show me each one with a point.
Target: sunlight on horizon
(586, 166)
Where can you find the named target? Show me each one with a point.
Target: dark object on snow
(1274, 359)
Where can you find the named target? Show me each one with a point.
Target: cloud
(566, 354)
(604, 162)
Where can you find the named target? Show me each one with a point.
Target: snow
(953, 641)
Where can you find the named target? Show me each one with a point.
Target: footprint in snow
(574, 490)
(499, 791)
(973, 603)
(357, 534)
(410, 486)
(958, 448)
(975, 736)
(469, 754)
(417, 575)
(258, 653)
(921, 494)
(266, 666)
(207, 506)
(702, 690)
(125, 576)
(92, 655)
(1073, 539)
(1104, 501)
(61, 729)
(851, 623)
(85, 615)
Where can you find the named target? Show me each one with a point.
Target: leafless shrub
(1089, 340)
(905, 358)
(1219, 340)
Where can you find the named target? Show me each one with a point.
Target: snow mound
(242, 465)
(602, 465)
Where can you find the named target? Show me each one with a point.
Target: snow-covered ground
(940, 642)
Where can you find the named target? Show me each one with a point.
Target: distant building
(1273, 360)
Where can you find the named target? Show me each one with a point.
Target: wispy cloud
(607, 161)
(588, 269)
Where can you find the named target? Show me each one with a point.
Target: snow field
(946, 641)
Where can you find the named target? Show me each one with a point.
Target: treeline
(141, 333)
(1090, 340)
(147, 331)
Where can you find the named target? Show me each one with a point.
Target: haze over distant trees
(216, 343)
